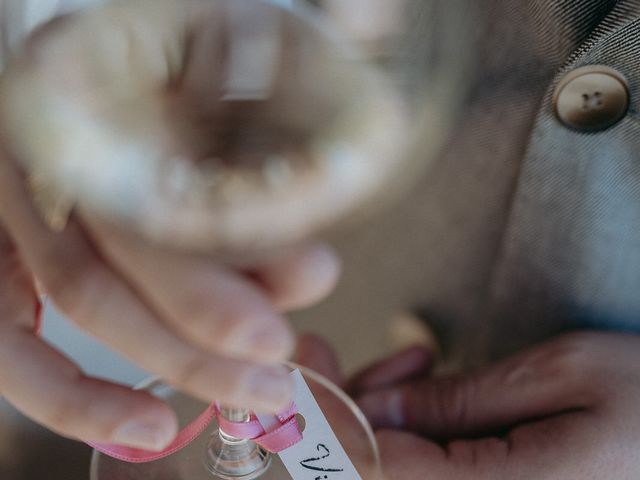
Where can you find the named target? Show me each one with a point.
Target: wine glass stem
(235, 415)
(232, 458)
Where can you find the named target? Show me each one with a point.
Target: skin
(564, 409)
(211, 330)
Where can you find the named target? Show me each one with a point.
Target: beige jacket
(523, 228)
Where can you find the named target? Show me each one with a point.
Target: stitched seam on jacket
(621, 14)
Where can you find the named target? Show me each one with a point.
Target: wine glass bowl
(203, 137)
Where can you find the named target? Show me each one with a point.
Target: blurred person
(523, 230)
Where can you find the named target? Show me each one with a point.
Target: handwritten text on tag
(319, 456)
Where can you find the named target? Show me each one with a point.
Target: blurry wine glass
(232, 126)
(227, 127)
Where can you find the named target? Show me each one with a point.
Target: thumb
(539, 383)
(315, 353)
(406, 365)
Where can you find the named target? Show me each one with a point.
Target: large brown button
(592, 98)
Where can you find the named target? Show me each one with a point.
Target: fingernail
(273, 345)
(271, 390)
(153, 434)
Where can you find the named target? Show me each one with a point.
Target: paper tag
(319, 456)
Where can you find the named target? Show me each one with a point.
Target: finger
(50, 389)
(405, 455)
(94, 297)
(315, 353)
(551, 449)
(212, 306)
(542, 382)
(299, 278)
(404, 366)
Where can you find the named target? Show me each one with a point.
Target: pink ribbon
(285, 434)
(184, 438)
